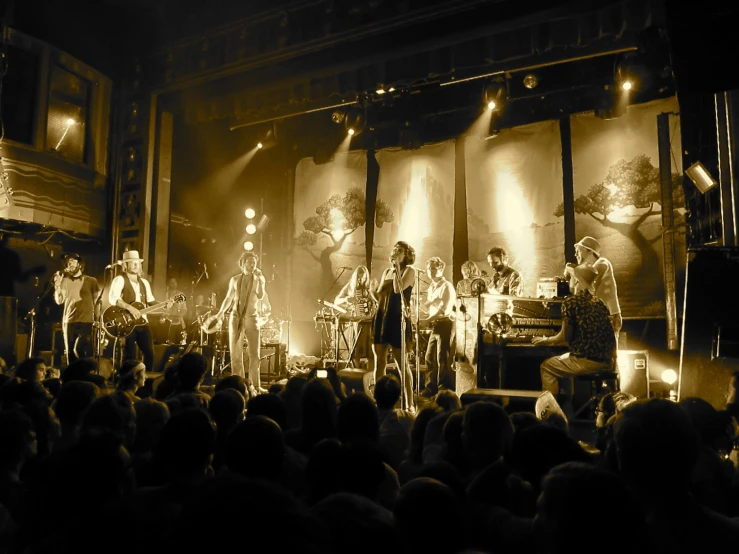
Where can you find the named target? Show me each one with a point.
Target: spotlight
(248, 246)
(669, 376)
(354, 121)
(70, 122)
(338, 116)
(250, 213)
(251, 228)
(530, 81)
(260, 145)
(701, 177)
(350, 131)
(493, 95)
(626, 85)
(491, 105)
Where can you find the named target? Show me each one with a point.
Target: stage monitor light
(250, 213)
(248, 246)
(251, 228)
(700, 177)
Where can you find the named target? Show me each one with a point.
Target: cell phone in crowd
(321, 374)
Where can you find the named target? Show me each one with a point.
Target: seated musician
(586, 328)
(357, 296)
(470, 272)
(439, 307)
(505, 280)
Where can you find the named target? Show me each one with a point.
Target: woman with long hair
(357, 294)
(397, 280)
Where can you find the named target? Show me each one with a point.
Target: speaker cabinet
(633, 371)
(8, 328)
(710, 329)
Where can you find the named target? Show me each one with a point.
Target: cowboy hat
(591, 244)
(131, 256)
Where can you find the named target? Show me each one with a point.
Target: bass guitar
(118, 322)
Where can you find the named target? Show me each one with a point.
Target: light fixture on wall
(701, 177)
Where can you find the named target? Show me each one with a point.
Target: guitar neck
(152, 308)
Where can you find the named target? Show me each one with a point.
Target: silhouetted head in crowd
(538, 449)
(36, 404)
(420, 501)
(358, 525)
(715, 429)
(113, 413)
(357, 419)
(487, 433)
(524, 420)
(18, 440)
(293, 397)
(83, 369)
(235, 382)
(446, 473)
(657, 447)
(453, 444)
(418, 431)
(268, 405)
(322, 473)
(578, 500)
(611, 404)
(227, 409)
(318, 412)
(387, 392)
(186, 446)
(32, 369)
(256, 449)
(131, 376)
(363, 469)
(151, 417)
(276, 388)
(191, 370)
(732, 395)
(448, 400)
(72, 401)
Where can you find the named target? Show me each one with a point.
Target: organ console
(492, 330)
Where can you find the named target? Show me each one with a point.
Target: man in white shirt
(587, 251)
(245, 291)
(124, 291)
(440, 298)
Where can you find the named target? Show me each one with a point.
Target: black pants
(79, 334)
(141, 337)
(439, 374)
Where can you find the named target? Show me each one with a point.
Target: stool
(601, 383)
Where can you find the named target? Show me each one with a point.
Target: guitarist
(440, 299)
(124, 291)
(77, 292)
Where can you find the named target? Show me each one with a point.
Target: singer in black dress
(386, 326)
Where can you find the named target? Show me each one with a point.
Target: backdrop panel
(415, 204)
(329, 223)
(514, 185)
(617, 199)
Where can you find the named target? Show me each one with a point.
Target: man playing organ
(440, 299)
(505, 280)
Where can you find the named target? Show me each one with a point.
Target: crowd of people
(306, 467)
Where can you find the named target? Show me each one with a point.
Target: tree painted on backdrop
(634, 183)
(337, 218)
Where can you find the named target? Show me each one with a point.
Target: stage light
(669, 376)
(70, 122)
(248, 246)
(350, 131)
(338, 116)
(354, 121)
(260, 145)
(250, 213)
(626, 85)
(494, 95)
(700, 177)
(381, 90)
(491, 105)
(251, 228)
(530, 81)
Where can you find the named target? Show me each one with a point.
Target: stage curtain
(330, 218)
(617, 194)
(514, 185)
(415, 204)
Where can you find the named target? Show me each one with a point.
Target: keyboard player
(586, 328)
(356, 296)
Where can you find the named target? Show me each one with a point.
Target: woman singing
(386, 325)
(357, 295)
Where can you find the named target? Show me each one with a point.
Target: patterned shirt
(506, 282)
(592, 332)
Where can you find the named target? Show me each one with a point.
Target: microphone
(114, 264)
(205, 270)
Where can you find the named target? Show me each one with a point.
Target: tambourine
(208, 327)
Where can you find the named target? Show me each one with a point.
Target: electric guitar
(118, 322)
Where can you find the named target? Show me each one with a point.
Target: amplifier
(633, 370)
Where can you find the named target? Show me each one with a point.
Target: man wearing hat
(587, 251)
(124, 291)
(586, 328)
(78, 293)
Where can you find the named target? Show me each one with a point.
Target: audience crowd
(86, 465)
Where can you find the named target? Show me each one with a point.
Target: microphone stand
(404, 309)
(31, 315)
(97, 326)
